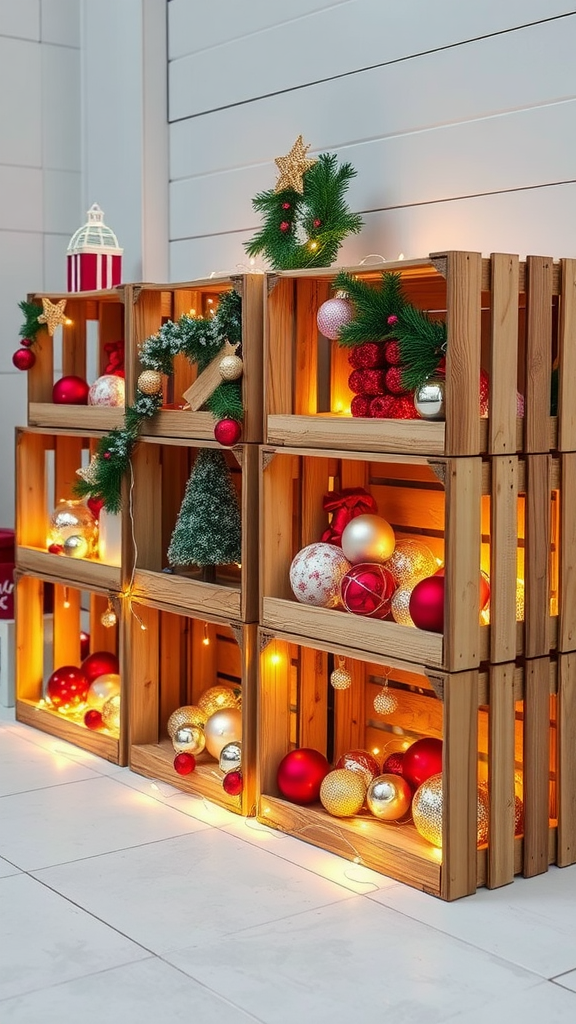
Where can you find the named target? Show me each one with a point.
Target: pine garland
(200, 340)
(306, 229)
(30, 327)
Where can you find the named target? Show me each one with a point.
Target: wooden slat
(567, 358)
(77, 417)
(184, 372)
(536, 765)
(41, 375)
(278, 348)
(503, 558)
(67, 459)
(110, 328)
(463, 285)
(250, 534)
(539, 272)
(102, 638)
(349, 710)
(66, 625)
(29, 594)
(184, 595)
(253, 292)
(175, 475)
(313, 706)
(567, 594)
(81, 572)
(314, 520)
(347, 434)
(462, 572)
(566, 764)
(74, 339)
(273, 712)
(31, 497)
(537, 556)
(306, 348)
(460, 785)
(501, 776)
(142, 655)
(172, 668)
(503, 354)
(202, 658)
(147, 506)
(102, 744)
(275, 526)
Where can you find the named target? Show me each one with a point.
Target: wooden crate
(161, 472)
(515, 319)
(507, 728)
(172, 662)
(74, 609)
(153, 304)
(77, 348)
(501, 515)
(46, 465)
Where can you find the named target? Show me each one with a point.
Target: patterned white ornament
(315, 574)
(107, 390)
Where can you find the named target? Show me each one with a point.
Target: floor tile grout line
(212, 991)
(111, 853)
(79, 977)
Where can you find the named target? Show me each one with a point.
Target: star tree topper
(53, 314)
(293, 166)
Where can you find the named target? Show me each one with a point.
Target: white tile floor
(126, 901)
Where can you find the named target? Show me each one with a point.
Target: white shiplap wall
(458, 118)
(40, 189)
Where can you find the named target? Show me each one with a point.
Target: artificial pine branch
(422, 344)
(30, 312)
(372, 307)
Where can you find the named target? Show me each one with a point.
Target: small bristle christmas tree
(208, 528)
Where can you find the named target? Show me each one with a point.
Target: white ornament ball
(368, 538)
(107, 390)
(223, 728)
(333, 315)
(315, 574)
(102, 689)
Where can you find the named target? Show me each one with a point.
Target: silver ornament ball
(230, 759)
(429, 399)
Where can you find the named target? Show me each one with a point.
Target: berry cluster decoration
(200, 340)
(24, 357)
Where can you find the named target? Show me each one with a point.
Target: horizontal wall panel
(61, 22)
(20, 199)
(540, 221)
(20, 18)
(63, 201)
(517, 150)
(513, 71)
(61, 90)
(334, 41)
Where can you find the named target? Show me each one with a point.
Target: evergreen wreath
(198, 339)
(306, 216)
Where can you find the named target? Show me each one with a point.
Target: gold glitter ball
(111, 713)
(108, 618)
(385, 703)
(216, 698)
(341, 679)
(189, 714)
(230, 367)
(342, 792)
(53, 314)
(150, 382)
(293, 166)
(400, 606)
(411, 561)
(427, 811)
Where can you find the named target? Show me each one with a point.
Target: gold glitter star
(53, 314)
(89, 472)
(293, 166)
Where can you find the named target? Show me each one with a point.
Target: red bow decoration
(345, 505)
(115, 354)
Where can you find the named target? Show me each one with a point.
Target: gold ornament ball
(76, 546)
(104, 687)
(230, 759)
(73, 520)
(230, 367)
(222, 728)
(341, 679)
(216, 698)
(389, 797)
(342, 792)
(111, 713)
(411, 561)
(150, 382)
(189, 739)
(400, 606)
(385, 703)
(189, 714)
(427, 811)
(108, 618)
(429, 399)
(368, 538)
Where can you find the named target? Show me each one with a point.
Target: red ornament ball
(392, 319)
(367, 589)
(184, 763)
(227, 432)
(56, 549)
(95, 505)
(67, 687)
(285, 206)
(300, 775)
(26, 342)
(361, 761)
(99, 664)
(427, 604)
(360, 405)
(392, 353)
(405, 408)
(368, 356)
(93, 719)
(394, 764)
(23, 359)
(70, 391)
(84, 644)
(422, 760)
(316, 222)
(232, 783)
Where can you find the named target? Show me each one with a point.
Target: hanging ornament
(107, 390)
(411, 561)
(367, 590)
(233, 783)
(316, 573)
(427, 808)
(231, 367)
(429, 399)
(333, 315)
(70, 390)
(427, 604)
(222, 728)
(385, 703)
(67, 688)
(230, 759)
(53, 314)
(189, 739)
(361, 761)
(389, 797)
(340, 678)
(422, 759)
(184, 763)
(189, 715)
(343, 792)
(400, 606)
(368, 538)
(300, 775)
(228, 432)
(150, 382)
(109, 617)
(23, 359)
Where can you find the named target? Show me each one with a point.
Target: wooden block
(539, 280)
(462, 546)
(566, 766)
(537, 556)
(199, 392)
(312, 699)
(460, 785)
(503, 354)
(501, 777)
(536, 765)
(463, 287)
(567, 357)
(279, 337)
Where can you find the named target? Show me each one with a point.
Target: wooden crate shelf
(505, 728)
(161, 472)
(95, 319)
(38, 656)
(46, 465)
(515, 319)
(172, 662)
(501, 515)
(152, 305)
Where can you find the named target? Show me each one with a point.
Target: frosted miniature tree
(208, 528)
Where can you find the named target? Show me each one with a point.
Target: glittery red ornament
(405, 408)
(67, 687)
(99, 664)
(93, 719)
(367, 382)
(23, 359)
(184, 763)
(56, 549)
(360, 405)
(484, 392)
(26, 342)
(394, 381)
(392, 319)
(422, 760)
(382, 407)
(70, 391)
(367, 356)
(227, 432)
(394, 764)
(284, 225)
(427, 604)
(300, 775)
(233, 783)
(367, 589)
(392, 352)
(316, 222)
(361, 761)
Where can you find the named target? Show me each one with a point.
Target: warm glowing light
(357, 860)
(266, 810)
(313, 245)
(68, 322)
(376, 750)
(210, 302)
(400, 255)
(252, 261)
(406, 744)
(192, 312)
(206, 638)
(275, 659)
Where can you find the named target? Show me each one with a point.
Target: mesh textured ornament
(189, 714)
(340, 678)
(427, 808)
(411, 561)
(216, 698)
(150, 382)
(342, 792)
(367, 590)
(231, 367)
(361, 761)
(400, 606)
(385, 703)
